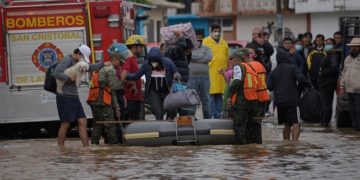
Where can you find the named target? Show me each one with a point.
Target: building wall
(245, 24)
(155, 15)
(197, 22)
(328, 23)
(315, 6)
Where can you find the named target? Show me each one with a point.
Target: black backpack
(311, 109)
(50, 81)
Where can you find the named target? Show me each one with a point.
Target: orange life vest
(262, 93)
(250, 84)
(95, 91)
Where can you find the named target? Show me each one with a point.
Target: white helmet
(85, 50)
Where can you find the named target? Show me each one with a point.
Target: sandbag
(311, 109)
(169, 33)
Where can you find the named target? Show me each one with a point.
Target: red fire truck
(37, 33)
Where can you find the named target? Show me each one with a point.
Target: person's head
(307, 38)
(199, 37)
(354, 46)
(155, 57)
(118, 53)
(338, 37)
(266, 36)
(83, 51)
(136, 44)
(300, 36)
(215, 31)
(319, 40)
(298, 45)
(240, 55)
(257, 35)
(329, 44)
(287, 43)
(252, 53)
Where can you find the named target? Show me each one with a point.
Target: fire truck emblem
(46, 55)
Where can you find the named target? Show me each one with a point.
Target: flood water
(323, 153)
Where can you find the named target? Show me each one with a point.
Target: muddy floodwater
(323, 153)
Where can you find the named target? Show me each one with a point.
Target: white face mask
(216, 35)
(154, 64)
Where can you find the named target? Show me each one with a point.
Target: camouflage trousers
(247, 129)
(103, 113)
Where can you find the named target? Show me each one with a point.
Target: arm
(95, 67)
(238, 79)
(269, 50)
(270, 83)
(334, 66)
(202, 55)
(297, 74)
(137, 75)
(60, 68)
(114, 83)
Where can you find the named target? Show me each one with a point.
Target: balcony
(214, 8)
(252, 7)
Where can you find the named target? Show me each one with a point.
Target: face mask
(328, 47)
(154, 64)
(216, 35)
(354, 53)
(298, 47)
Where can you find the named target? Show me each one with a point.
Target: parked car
(236, 44)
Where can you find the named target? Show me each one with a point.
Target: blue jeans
(202, 85)
(216, 105)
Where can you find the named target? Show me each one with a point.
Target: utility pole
(279, 22)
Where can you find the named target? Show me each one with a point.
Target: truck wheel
(343, 119)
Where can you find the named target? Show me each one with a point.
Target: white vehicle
(38, 33)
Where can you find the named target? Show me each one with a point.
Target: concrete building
(158, 18)
(329, 16)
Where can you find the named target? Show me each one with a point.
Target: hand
(108, 63)
(341, 91)
(221, 71)
(133, 88)
(117, 112)
(72, 79)
(177, 76)
(125, 102)
(228, 102)
(123, 75)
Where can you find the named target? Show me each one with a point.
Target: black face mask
(354, 53)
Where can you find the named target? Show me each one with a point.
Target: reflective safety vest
(250, 84)
(95, 90)
(262, 92)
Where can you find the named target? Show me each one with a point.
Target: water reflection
(322, 153)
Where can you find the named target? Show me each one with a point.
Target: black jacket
(329, 70)
(283, 82)
(177, 55)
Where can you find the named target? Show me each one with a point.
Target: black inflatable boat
(184, 130)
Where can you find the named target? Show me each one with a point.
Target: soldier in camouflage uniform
(244, 110)
(100, 110)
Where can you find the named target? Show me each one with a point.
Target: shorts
(287, 115)
(69, 108)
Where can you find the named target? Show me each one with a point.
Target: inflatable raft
(184, 130)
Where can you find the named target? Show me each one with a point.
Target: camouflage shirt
(107, 78)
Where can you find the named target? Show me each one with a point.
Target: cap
(239, 53)
(354, 42)
(85, 50)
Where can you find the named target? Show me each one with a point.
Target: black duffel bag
(311, 109)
